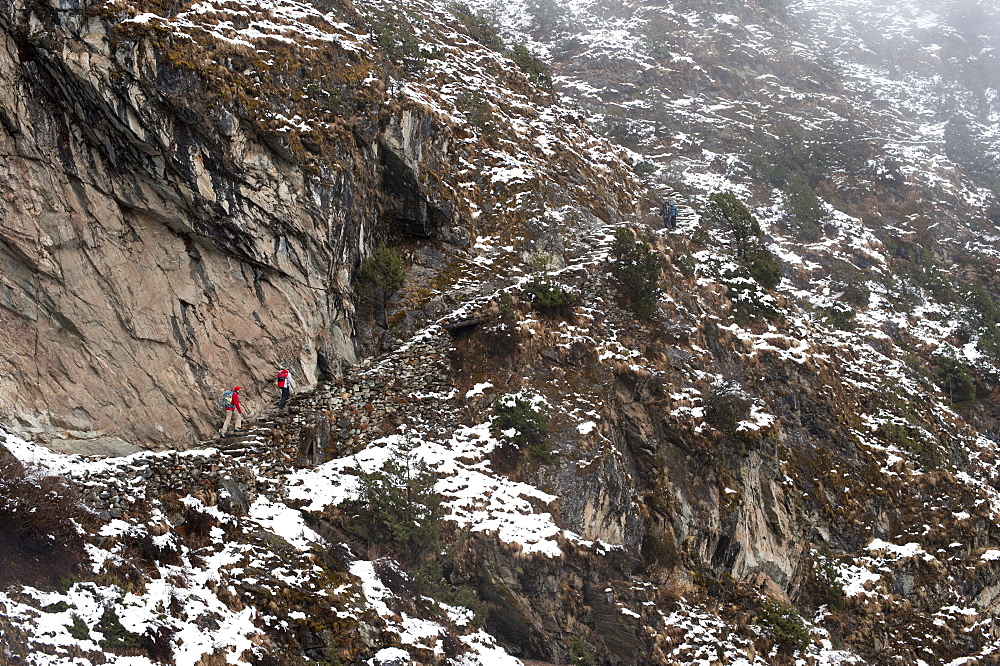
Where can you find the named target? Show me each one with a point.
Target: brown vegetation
(42, 526)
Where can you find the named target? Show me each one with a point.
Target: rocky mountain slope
(184, 209)
(780, 450)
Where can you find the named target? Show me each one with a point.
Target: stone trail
(408, 387)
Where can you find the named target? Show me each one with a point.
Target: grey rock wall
(153, 254)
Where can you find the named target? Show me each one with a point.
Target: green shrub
(762, 266)
(644, 168)
(955, 378)
(523, 427)
(980, 300)
(549, 297)
(579, 654)
(533, 67)
(829, 588)
(845, 146)
(78, 629)
(839, 316)
(116, 636)
(481, 27)
(851, 282)
(398, 507)
(636, 269)
(986, 318)
(785, 625)
(478, 111)
(380, 276)
(548, 17)
(724, 211)
(783, 155)
(909, 438)
(396, 36)
(751, 305)
(784, 151)
(914, 264)
(804, 211)
(57, 607)
(888, 172)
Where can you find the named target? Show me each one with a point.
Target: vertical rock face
(154, 255)
(183, 199)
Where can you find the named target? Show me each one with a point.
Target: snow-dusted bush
(396, 35)
(522, 427)
(954, 377)
(481, 27)
(398, 508)
(911, 438)
(726, 212)
(785, 625)
(985, 319)
(478, 112)
(533, 67)
(850, 281)
(549, 297)
(804, 212)
(827, 588)
(839, 316)
(763, 266)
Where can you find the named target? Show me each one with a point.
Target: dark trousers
(284, 396)
(670, 221)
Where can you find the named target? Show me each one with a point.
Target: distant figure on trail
(286, 384)
(669, 213)
(231, 403)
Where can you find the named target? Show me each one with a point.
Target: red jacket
(282, 376)
(236, 403)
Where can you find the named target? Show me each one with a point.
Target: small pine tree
(381, 275)
(579, 654)
(636, 268)
(548, 17)
(399, 507)
(763, 266)
(532, 66)
(548, 296)
(785, 625)
(804, 210)
(977, 298)
(481, 27)
(526, 428)
(725, 406)
(955, 378)
(727, 212)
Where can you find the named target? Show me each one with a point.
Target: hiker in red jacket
(286, 384)
(232, 404)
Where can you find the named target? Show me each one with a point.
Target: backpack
(226, 400)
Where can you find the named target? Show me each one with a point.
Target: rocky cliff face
(182, 213)
(156, 250)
